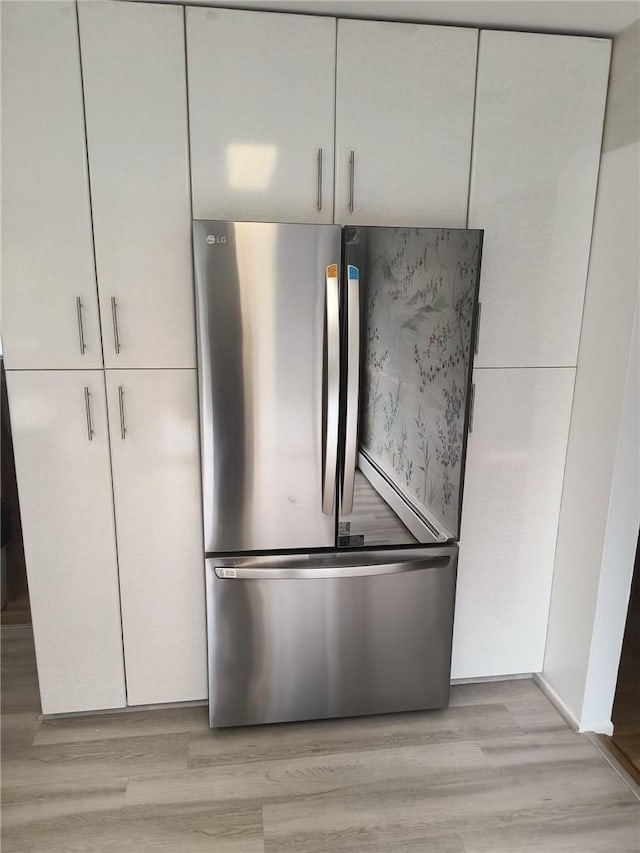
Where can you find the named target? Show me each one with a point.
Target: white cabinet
(136, 106)
(261, 111)
(404, 107)
(513, 485)
(536, 152)
(64, 485)
(153, 418)
(48, 275)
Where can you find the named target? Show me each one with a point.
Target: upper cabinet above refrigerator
(49, 301)
(536, 153)
(261, 113)
(136, 108)
(404, 119)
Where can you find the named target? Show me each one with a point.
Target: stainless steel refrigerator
(334, 370)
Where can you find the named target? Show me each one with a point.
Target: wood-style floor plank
(343, 773)
(602, 830)
(98, 759)
(394, 817)
(227, 746)
(238, 831)
(122, 725)
(27, 805)
(497, 772)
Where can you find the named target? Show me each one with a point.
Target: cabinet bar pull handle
(80, 327)
(352, 172)
(477, 344)
(87, 408)
(123, 428)
(472, 406)
(319, 178)
(114, 318)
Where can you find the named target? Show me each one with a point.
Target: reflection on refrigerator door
(417, 298)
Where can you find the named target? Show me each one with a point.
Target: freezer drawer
(310, 636)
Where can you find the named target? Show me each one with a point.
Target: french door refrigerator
(334, 369)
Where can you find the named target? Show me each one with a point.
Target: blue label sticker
(353, 272)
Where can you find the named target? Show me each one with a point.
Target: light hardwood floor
(497, 772)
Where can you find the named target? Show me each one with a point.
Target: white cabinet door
(261, 113)
(153, 418)
(404, 107)
(136, 105)
(47, 250)
(64, 485)
(513, 485)
(536, 153)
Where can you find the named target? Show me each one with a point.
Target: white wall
(600, 507)
(618, 557)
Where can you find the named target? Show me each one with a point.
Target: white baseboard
(161, 706)
(484, 679)
(553, 697)
(600, 727)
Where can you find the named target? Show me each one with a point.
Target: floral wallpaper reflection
(418, 296)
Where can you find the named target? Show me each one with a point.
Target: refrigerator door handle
(257, 573)
(331, 389)
(353, 386)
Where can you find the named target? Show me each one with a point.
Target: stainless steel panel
(418, 317)
(285, 646)
(260, 302)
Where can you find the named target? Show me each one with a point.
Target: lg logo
(213, 239)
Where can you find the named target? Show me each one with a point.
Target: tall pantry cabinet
(107, 601)
(51, 340)
(536, 151)
(136, 111)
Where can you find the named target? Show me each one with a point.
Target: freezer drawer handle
(353, 383)
(250, 573)
(331, 393)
